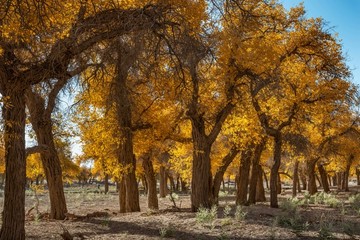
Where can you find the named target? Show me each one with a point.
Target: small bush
(325, 228)
(240, 214)
(355, 201)
(205, 216)
(226, 213)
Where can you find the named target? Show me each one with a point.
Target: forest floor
(96, 216)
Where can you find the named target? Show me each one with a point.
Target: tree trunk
(177, 186)
(260, 191)
(279, 187)
(124, 118)
(295, 178)
(311, 176)
(244, 171)
(275, 171)
(303, 179)
(255, 172)
(339, 180)
(184, 187)
(106, 180)
(201, 182)
(151, 182)
(324, 177)
(219, 175)
(266, 180)
(41, 122)
(163, 191)
(172, 182)
(122, 195)
(358, 176)
(347, 172)
(13, 215)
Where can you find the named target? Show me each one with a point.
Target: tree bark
(40, 118)
(303, 179)
(124, 118)
(184, 187)
(122, 195)
(13, 216)
(255, 172)
(163, 191)
(260, 191)
(106, 181)
(323, 177)
(275, 171)
(219, 175)
(295, 178)
(358, 176)
(347, 172)
(312, 188)
(244, 171)
(151, 182)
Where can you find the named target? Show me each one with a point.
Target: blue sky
(344, 18)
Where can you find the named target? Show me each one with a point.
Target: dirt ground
(96, 216)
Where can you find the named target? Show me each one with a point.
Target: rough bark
(323, 177)
(122, 195)
(219, 175)
(106, 183)
(295, 178)
(163, 191)
(347, 172)
(275, 171)
(358, 176)
(244, 172)
(13, 216)
(312, 188)
(260, 191)
(124, 118)
(255, 173)
(151, 182)
(40, 118)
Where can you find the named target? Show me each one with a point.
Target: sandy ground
(96, 216)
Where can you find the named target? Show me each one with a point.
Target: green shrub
(240, 214)
(355, 201)
(206, 217)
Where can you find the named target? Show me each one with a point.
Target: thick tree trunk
(13, 215)
(347, 172)
(260, 191)
(163, 191)
(358, 176)
(219, 175)
(275, 171)
(295, 178)
(201, 182)
(151, 182)
(41, 121)
(303, 179)
(339, 181)
(244, 171)
(184, 187)
(312, 188)
(323, 177)
(122, 195)
(255, 173)
(106, 183)
(124, 118)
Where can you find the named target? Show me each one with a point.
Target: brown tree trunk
(124, 118)
(219, 175)
(339, 181)
(40, 118)
(255, 172)
(177, 186)
(172, 182)
(275, 171)
(312, 188)
(244, 171)
(163, 191)
(13, 215)
(295, 178)
(347, 172)
(106, 181)
(358, 175)
(122, 195)
(260, 191)
(324, 177)
(266, 180)
(303, 179)
(151, 182)
(184, 187)
(279, 187)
